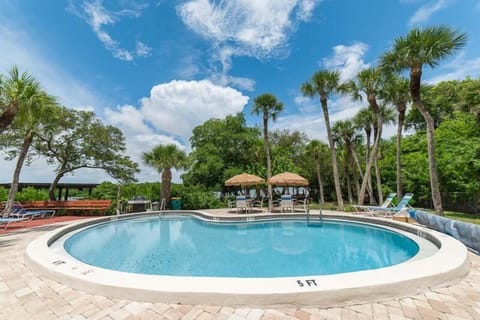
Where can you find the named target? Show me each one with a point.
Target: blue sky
(156, 69)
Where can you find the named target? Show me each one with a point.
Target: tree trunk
(432, 162)
(118, 199)
(320, 182)
(401, 116)
(269, 161)
(377, 170)
(379, 182)
(351, 156)
(376, 145)
(7, 117)
(349, 186)
(415, 85)
(360, 171)
(371, 198)
(166, 183)
(336, 178)
(53, 185)
(354, 174)
(27, 141)
(368, 133)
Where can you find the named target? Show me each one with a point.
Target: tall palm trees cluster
(380, 86)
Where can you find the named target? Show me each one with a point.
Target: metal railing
(162, 208)
(307, 209)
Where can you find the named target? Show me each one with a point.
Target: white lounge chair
(390, 211)
(302, 203)
(259, 203)
(385, 204)
(286, 202)
(242, 204)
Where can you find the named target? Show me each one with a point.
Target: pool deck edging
(451, 263)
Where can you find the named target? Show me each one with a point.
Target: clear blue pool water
(186, 246)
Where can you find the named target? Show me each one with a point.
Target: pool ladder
(320, 213)
(162, 208)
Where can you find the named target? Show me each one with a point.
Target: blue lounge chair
(19, 212)
(385, 204)
(402, 205)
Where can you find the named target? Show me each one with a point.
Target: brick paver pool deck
(26, 295)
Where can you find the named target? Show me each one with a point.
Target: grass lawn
(466, 217)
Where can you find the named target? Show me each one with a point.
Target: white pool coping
(429, 269)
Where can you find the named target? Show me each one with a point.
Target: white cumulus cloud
(348, 60)
(170, 113)
(178, 106)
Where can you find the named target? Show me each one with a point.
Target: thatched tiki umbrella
(244, 180)
(288, 179)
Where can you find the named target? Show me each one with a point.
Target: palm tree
(32, 117)
(418, 48)
(314, 149)
(388, 117)
(269, 107)
(346, 133)
(365, 119)
(325, 83)
(164, 158)
(16, 91)
(396, 92)
(369, 82)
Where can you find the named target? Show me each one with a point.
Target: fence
(453, 201)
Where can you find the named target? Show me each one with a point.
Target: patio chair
(390, 211)
(302, 203)
(231, 204)
(385, 204)
(286, 202)
(242, 204)
(275, 202)
(18, 211)
(259, 203)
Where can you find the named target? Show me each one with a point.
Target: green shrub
(3, 194)
(194, 198)
(31, 194)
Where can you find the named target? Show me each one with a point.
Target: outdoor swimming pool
(188, 246)
(202, 258)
